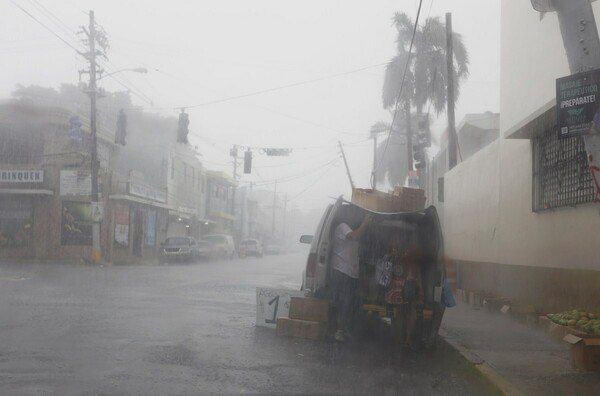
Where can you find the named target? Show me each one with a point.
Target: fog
(201, 54)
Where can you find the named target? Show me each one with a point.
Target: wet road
(189, 330)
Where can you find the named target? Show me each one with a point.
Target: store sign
(122, 225)
(22, 176)
(75, 182)
(272, 304)
(577, 104)
(151, 228)
(143, 191)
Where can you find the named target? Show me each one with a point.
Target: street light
(141, 70)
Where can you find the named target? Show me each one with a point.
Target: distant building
(219, 202)
(474, 132)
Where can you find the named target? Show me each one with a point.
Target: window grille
(560, 172)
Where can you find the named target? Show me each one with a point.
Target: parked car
(274, 248)
(222, 245)
(415, 315)
(183, 248)
(250, 247)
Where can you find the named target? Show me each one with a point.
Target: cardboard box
(287, 327)
(311, 309)
(585, 351)
(379, 201)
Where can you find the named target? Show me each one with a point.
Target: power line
(45, 27)
(281, 87)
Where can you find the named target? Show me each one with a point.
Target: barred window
(560, 172)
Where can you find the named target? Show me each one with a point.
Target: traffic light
(248, 161)
(419, 155)
(121, 128)
(423, 131)
(182, 127)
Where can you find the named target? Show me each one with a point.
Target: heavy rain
(317, 198)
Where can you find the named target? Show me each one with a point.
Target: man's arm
(358, 233)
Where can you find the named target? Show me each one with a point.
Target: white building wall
(488, 199)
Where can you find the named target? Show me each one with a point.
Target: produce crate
(557, 331)
(585, 351)
(311, 309)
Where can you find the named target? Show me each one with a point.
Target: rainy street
(189, 329)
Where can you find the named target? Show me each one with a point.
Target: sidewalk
(518, 359)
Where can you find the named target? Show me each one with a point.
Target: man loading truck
(345, 274)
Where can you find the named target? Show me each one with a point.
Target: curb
(487, 371)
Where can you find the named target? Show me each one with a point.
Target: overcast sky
(203, 51)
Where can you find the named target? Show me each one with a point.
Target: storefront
(137, 226)
(24, 199)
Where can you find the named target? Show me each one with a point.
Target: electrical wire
(46, 27)
(267, 90)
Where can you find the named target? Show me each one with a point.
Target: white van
(416, 311)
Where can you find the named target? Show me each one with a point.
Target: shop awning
(223, 215)
(175, 213)
(130, 198)
(25, 191)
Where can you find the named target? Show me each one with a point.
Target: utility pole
(374, 172)
(409, 145)
(274, 209)
(346, 164)
(93, 94)
(452, 139)
(284, 215)
(234, 153)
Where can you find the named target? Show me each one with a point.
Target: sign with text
(272, 304)
(121, 225)
(22, 176)
(75, 182)
(577, 104)
(147, 192)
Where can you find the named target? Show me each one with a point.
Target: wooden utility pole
(93, 94)
(274, 209)
(409, 146)
(452, 139)
(346, 164)
(374, 172)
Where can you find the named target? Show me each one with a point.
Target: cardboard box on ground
(585, 351)
(402, 199)
(308, 318)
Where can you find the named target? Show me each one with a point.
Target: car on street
(250, 247)
(183, 248)
(416, 308)
(222, 245)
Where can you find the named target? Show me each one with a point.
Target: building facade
(520, 216)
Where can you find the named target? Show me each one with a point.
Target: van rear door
(323, 251)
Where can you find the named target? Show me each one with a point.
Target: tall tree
(425, 81)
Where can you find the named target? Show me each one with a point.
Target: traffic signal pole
(452, 138)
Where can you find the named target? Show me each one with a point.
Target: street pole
(284, 215)
(274, 209)
(409, 148)
(346, 164)
(233, 191)
(93, 93)
(374, 172)
(452, 139)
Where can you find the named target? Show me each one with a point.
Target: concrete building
(474, 132)
(219, 202)
(519, 215)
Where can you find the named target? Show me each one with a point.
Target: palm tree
(425, 80)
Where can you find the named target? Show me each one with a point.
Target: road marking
(12, 278)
